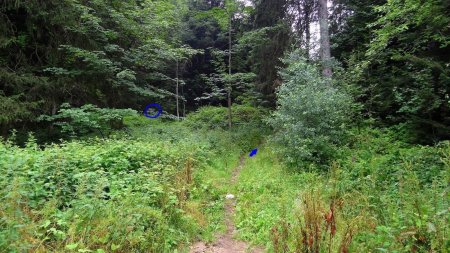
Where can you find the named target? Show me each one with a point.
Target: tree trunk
(307, 33)
(308, 12)
(299, 25)
(4, 129)
(178, 108)
(184, 102)
(229, 73)
(324, 38)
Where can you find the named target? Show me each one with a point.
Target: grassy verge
(381, 195)
(266, 191)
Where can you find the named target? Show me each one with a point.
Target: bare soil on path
(225, 243)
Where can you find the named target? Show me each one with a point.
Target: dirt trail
(226, 243)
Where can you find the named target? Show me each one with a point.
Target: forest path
(226, 243)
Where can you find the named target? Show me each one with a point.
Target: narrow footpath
(226, 242)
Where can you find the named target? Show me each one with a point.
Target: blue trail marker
(254, 151)
(154, 116)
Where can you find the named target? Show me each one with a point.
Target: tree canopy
(123, 54)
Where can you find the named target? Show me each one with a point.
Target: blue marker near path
(154, 116)
(254, 151)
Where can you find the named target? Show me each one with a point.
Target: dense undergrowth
(380, 195)
(159, 185)
(156, 187)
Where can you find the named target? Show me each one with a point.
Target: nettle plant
(88, 118)
(312, 113)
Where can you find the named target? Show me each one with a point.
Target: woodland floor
(226, 243)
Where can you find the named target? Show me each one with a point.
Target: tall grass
(381, 195)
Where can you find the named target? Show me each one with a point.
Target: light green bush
(312, 114)
(87, 119)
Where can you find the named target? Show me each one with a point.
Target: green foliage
(13, 110)
(312, 114)
(151, 192)
(221, 82)
(262, 48)
(223, 15)
(404, 188)
(248, 130)
(389, 196)
(157, 186)
(107, 53)
(399, 17)
(211, 117)
(401, 72)
(219, 14)
(16, 108)
(68, 184)
(83, 120)
(263, 189)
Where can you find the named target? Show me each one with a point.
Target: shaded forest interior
(391, 56)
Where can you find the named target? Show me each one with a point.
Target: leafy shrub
(403, 187)
(144, 194)
(384, 196)
(248, 128)
(212, 117)
(87, 118)
(312, 114)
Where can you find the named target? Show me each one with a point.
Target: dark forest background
(393, 57)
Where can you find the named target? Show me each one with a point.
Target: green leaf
(115, 246)
(46, 224)
(84, 250)
(72, 246)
